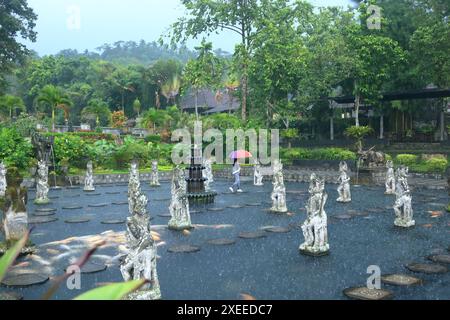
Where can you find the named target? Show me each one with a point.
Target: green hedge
(15, 150)
(317, 154)
(416, 164)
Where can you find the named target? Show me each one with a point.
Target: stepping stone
(24, 280)
(363, 293)
(72, 207)
(92, 267)
(162, 199)
(236, 206)
(113, 192)
(114, 221)
(195, 211)
(185, 248)
(252, 235)
(74, 196)
(53, 197)
(77, 220)
(44, 214)
(10, 296)
(222, 242)
(41, 220)
(277, 229)
(107, 186)
(45, 210)
(440, 258)
(343, 217)
(73, 188)
(166, 215)
(93, 194)
(99, 205)
(253, 204)
(215, 209)
(427, 268)
(400, 280)
(359, 214)
(120, 203)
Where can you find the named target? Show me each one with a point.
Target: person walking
(237, 180)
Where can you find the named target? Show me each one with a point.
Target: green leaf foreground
(116, 291)
(11, 255)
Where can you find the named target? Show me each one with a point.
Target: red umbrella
(240, 154)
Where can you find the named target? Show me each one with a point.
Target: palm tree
(9, 105)
(55, 98)
(97, 111)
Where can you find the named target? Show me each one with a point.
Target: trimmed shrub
(437, 164)
(15, 151)
(317, 154)
(406, 159)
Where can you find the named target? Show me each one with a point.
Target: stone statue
(43, 146)
(372, 159)
(140, 262)
(344, 184)
(154, 177)
(208, 174)
(315, 228)
(258, 177)
(14, 203)
(390, 178)
(403, 204)
(3, 183)
(89, 180)
(179, 207)
(279, 190)
(42, 184)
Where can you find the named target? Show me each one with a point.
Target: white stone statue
(345, 195)
(89, 180)
(257, 176)
(390, 178)
(15, 220)
(315, 228)
(179, 207)
(403, 205)
(140, 262)
(154, 177)
(208, 174)
(3, 183)
(279, 190)
(42, 184)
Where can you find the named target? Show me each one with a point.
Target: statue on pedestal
(315, 228)
(3, 183)
(154, 177)
(14, 206)
(279, 190)
(89, 180)
(42, 184)
(390, 178)
(140, 262)
(403, 205)
(179, 207)
(258, 177)
(344, 184)
(208, 174)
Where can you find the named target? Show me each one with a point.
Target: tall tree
(55, 98)
(17, 22)
(208, 16)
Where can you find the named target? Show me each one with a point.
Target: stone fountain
(390, 178)
(14, 207)
(196, 191)
(345, 195)
(42, 184)
(140, 262)
(279, 190)
(154, 176)
(257, 175)
(315, 228)
(89, 180)
(403, 205)
(179, 207)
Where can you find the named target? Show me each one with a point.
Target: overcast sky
(108, 21)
